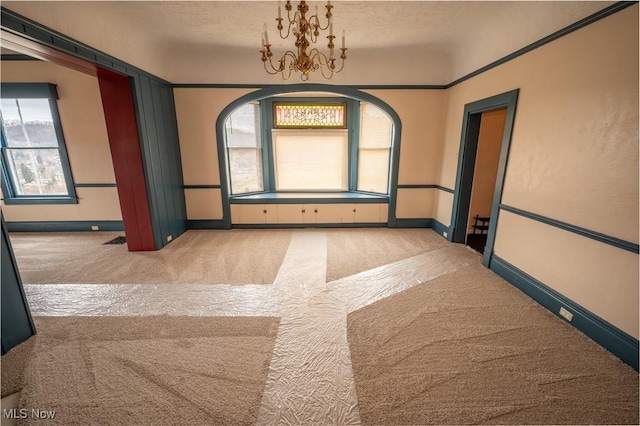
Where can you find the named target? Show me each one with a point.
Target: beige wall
(87, 143)
(573, 158)
(421, 113)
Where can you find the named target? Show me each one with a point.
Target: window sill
(308, 197)
(40, 200)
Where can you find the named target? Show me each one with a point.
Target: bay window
(307, 145)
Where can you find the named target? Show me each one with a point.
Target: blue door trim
(466, 164)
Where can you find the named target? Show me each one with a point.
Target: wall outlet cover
(169, 238)
(95, 228)
(566, 314)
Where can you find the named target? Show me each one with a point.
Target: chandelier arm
(293, 59)
(323, 64)
(273, 70)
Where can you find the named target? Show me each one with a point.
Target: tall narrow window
(34, 160)
(374, 149)
(244, 149)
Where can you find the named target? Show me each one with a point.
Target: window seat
(309, 197)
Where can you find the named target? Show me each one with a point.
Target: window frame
(35, 91)
(352, 125)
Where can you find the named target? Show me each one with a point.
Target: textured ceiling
(399, 42)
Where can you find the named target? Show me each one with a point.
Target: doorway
(484, 177)
(484, 149)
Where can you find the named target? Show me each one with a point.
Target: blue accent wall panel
(17, 324)
(161, 157)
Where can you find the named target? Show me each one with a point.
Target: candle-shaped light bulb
(266, 35)
(262, 39)
(344, 33)
(316, 10)
(279, 11)
(331, 28)
(328, 2)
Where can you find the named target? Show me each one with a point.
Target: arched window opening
(289, 145)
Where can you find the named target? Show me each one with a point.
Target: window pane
(244, 153)
(37, 171)
(376, 131)
(309, 115)
(310, 160)
(246, 164)
(242, 128)
(28, 123)
(373, 170)
(375, 127)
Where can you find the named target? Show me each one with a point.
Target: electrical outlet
(445, 234)
(169, 238)
(95, 228)
(566, 314)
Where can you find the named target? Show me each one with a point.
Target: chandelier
(306, 31)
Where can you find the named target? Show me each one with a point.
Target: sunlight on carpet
(196, 257)
(350, 251)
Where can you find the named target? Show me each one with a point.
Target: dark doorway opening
(484, 150)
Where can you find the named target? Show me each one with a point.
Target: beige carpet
(12, 366)
(468, 348)
(196, 257)
(149, 370)
(350, 251)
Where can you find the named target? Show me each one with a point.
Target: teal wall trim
(425, 186)
(417, 186)
(603, 238)
(17, 58)
(610, 337)
(280, 198)
(17, 323)
(352, 86)
(29, 91)
(202, 187)
(449, 190)
(414, 223)
(95, 185)
(205, 224)
(610, 10)
(423, 223)
(308, 225)
(441, 229)
(103, 225)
